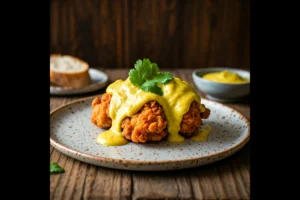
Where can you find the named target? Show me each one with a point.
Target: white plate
(99, 81)
(73, 134)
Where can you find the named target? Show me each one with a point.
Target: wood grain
(226, 179)
(173, 33)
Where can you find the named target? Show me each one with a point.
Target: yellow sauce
(127, 99)
(110, 138)
(202, 134)
(225, 77)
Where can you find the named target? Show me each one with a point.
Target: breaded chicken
(100, 111)
(206, 113)
(149, 123)
(192, 120)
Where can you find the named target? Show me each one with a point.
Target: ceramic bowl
(222, 92)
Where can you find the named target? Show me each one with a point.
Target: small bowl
(222, 92)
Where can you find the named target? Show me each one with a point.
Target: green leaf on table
(55, 168)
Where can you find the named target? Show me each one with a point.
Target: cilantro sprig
(146, 75)
(55, 168)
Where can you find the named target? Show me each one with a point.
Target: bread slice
(69, 71)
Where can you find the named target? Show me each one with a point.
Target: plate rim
(96, 158)
(58, 90)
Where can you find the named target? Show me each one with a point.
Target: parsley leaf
(144, 70)
(55, 168)
(146, 76)
(150, 86)
(163, 77)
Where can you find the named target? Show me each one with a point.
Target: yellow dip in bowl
(225, 77)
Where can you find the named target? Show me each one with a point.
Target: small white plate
(99, 81)
(73, 133)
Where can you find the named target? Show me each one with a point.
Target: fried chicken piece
(192, 120)
(206, 113)
(100, 111)
(148, 124)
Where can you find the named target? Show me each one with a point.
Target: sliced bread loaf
(69, 71)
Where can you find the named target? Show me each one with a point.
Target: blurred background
(172, 33)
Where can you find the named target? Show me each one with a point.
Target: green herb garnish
(55, 168)
(146, 75)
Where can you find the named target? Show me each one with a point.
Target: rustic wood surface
(174, 33)
(226, 179)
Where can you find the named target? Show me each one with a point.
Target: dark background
(172, 33)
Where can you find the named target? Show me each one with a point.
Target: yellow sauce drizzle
(202, 134)
(225, 77)
(127, 99)
(110, 138)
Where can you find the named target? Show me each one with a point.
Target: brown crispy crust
(100, 111)
(206, 113)
(191, 121)
(149, 124)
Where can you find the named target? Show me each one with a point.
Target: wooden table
(226, 179)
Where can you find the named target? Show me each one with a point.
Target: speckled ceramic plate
(73, 134)
(99, 81)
